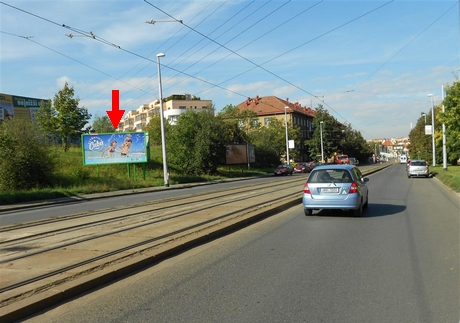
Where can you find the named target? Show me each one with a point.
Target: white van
(403, 159)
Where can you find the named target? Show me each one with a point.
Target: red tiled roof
(271, 105)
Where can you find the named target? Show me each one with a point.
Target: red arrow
(116, 114)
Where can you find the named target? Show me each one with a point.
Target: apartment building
(173, 107)
(270, 107)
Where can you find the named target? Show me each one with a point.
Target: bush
(25, 161)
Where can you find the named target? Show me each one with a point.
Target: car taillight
(306, 189)
(353, 188)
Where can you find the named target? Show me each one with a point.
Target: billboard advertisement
(115, 148)
(240, 154)
(19, 106)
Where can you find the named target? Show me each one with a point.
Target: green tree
(353, 143)
(197, 143)
(63, 117)
(102, 124)
(420, 143)
(26, 162)
(332, 134)
(451, 118)
(154, 130)
(238, 123)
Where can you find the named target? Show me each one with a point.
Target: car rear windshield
(330, 175)
(418, 163)
(342, 157)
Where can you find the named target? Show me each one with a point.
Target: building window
(255, 122)
(182, 107)
(267, 121)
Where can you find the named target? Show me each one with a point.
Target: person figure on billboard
(126, 145)
(110, 149)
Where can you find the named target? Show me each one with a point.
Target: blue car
(336, 187)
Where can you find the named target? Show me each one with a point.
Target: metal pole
(162, 123)
(432, 130)
(321, 135)
(444, 150)
(287, 138)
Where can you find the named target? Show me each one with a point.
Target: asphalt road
(399, 263)
(39, 210)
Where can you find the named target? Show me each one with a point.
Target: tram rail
(30, 243)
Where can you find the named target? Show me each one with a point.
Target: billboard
(19, 106)
(115, 148)
(240, 154)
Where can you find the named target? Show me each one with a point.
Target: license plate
(330, 190)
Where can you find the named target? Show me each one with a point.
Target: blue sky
(370, 63)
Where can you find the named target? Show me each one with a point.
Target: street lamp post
(287, 138)
(162, 123)
(321, 136)
(432, 129)
(444, 151)
(424, 115)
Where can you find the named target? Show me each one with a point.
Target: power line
(92, 35)
(260, 66)
(404, 47)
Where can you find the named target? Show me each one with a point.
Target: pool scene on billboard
(115, 148)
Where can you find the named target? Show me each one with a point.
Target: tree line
(421, 146)
(197, 143)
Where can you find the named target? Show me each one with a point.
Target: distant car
(300, 168)
(353, 161)
(337, 187)
(284, 170)
(402, 159)
(417, 168)
(341, 159)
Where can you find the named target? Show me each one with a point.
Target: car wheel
(308, 212)
(366, 205)
(358, 212)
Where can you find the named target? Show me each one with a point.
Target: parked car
(284, 170)
(353, 161)
(417, 168)
(341, 159)
(337, 187)
(310, 166)
(300, 168)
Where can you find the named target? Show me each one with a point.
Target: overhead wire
(91, 35)
(404, 47)
(180, 39)
(239, 34)
(151, 61)
(259, 65)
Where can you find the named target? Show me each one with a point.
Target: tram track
(96, 247)
(13, 235)
(21, 244)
